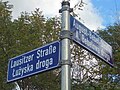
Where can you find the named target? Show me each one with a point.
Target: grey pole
(65, 36)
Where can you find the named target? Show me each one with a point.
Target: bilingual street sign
(33, 62)
(90, 41)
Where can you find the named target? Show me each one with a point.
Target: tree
(5, 43)
(111, 76)
(33, 31)
(21, 35)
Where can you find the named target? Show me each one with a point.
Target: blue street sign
(34, 62)
(90, 41)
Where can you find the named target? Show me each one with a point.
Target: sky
(109, 10)
(95, 14)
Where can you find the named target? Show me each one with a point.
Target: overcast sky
(90, 15)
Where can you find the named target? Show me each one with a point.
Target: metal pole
(65, 46)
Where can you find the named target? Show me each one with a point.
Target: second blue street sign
(33, 62)
(90, 41)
